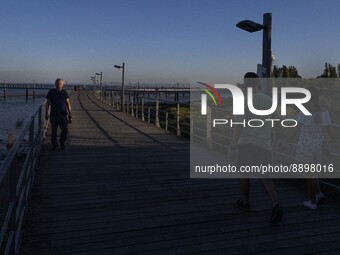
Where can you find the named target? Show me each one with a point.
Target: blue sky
(161, 40)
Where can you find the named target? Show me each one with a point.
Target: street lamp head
(97, 73)
(117, 66)
(249, 26)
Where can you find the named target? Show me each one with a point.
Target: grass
(184, 118)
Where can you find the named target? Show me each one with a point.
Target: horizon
(161, 42)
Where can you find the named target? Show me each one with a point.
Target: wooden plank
(122, 187)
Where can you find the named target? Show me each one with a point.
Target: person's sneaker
(62, 146)
(277, 214)
(243, 206)
(310, 205)
(320, 198)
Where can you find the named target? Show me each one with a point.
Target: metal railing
(212, 138)
(149, 110)
(19, 173)
(159, 118)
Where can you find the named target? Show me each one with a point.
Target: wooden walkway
(122, 187)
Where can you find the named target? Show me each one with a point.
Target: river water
(15, 111)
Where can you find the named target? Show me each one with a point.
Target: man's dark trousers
(61, 121)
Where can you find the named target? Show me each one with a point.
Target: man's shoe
(277, 214)
(320, 198)
(243, 206)
(310, 205)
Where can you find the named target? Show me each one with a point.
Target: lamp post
(122, 96)
(101, 78)
(93, 78)
(251, 26)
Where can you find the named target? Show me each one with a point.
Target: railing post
(178, 127)
(191, 129)
(114, 95)
(209, 141)
(26, 93)
(157, 112)
(137, 107)
(132, 99)
(143, 109)
(127, 108)
(166, 121)
(149, 113)
(39, 124)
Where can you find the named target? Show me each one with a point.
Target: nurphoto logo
(238, 105)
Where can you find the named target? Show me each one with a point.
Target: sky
(161, 41)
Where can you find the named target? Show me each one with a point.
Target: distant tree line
(329, 71)
(285, 72)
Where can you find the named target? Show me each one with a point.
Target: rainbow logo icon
(211, 91)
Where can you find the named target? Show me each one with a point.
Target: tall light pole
(101, 78)
(251, 26)
(122, 92)
(93, 78)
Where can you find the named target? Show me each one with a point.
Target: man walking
(60, 104)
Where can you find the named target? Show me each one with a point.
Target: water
(150, 98)
(15, 109)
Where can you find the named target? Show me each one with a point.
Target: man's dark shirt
(58, 101)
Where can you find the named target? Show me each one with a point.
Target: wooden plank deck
(122, 187)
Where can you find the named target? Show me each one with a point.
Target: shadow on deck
(122, 187)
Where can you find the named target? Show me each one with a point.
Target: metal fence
(17, 174)
(152, 114)
(150, 110)
(214, 139)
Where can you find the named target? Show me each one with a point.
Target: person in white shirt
(311, 143)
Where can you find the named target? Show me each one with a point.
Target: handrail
(113, 100)
(147, 112)
(20, 182)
